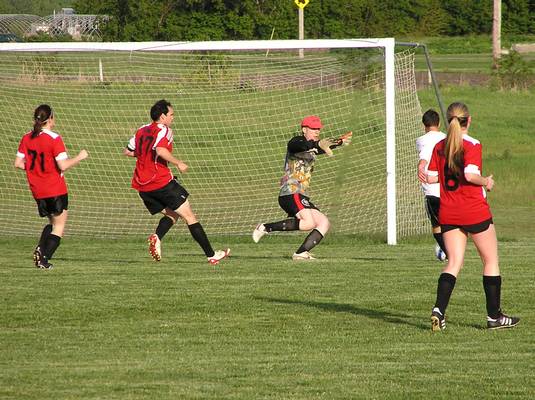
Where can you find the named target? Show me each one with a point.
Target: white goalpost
(237, 103)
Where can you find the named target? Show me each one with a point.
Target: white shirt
(425, 145)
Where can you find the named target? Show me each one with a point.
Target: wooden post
(496, 33)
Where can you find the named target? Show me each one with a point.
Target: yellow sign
(301, 3)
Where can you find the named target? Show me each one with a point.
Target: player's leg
(164, 225)
(320, 226)
(432, 207)
(38, 251)
(487, 246)
(291, 204)
(455, 241)
(197, 232)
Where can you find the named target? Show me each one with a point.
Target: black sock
(165, 224)
(44, 234)
(440, 241)
(311, 240)
(200, 237)
(50, 245)
(290, 224)
(492, 286)
(446, 283)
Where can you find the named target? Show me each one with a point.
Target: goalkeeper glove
(345, 139)
(325, 145)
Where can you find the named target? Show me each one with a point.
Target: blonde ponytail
(457, 115)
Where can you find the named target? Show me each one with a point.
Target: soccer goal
(236, 106)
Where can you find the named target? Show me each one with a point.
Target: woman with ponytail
(43, 156)
(456, 163)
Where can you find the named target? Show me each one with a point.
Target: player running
(152, 145)
(425, 145)
(302, 151)
(456, 164)
(43, 156)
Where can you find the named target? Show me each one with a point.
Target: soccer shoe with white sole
(43, 263)
(304, 256)
(218, 256)
(155, 249)
(37, 256)
(258, 232)
(502, 322)
(438, 321)
(439, 253)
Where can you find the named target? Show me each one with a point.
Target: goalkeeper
(302, 151)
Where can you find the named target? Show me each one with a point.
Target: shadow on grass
(392, 318)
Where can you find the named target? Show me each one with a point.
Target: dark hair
(159, 108)
(431, 118)
(40, 116)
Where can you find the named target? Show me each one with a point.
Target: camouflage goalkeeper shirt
(298, 166)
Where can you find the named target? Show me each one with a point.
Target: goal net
(236, 106)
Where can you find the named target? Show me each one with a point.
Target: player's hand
(182, 166)
(490, 183)
(83, 154)
(325, 145)
(345, 139)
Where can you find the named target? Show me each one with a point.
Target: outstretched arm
(64, 165)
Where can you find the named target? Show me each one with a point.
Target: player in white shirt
(425, 145)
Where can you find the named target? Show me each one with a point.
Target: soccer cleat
(43, 263)
(438, 321)
(218, 256)
(304, 256)
(503, 321)
(439, 253)
(155, 249)
(37, 256)
(258, 232)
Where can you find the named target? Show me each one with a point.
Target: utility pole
(496, 33)
(301, 4)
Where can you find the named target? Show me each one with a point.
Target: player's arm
(64, 163)
(19, 162)
(130, 149)
(165, 154)
(422, 175)
(476, 179)
(327, 145)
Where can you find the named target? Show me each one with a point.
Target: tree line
(138, 20)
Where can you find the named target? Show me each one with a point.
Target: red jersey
(42, 171)
(151, 172)
(461, 202)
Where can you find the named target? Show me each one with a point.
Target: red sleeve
(472, 155)
(433, 163)
(59, 146)
(22, 146)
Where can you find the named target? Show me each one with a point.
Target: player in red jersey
(152, 146)
(43, 156)
(456, 164)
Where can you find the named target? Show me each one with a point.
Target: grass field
(108, 323)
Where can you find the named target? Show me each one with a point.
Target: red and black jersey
(151, 172)
(40, 154)
(461, 202)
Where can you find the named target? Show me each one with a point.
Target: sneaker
(155, 249)
(438, 321)
(439, 253)
(503, 321)
(37, 256)
(218, 256)
(258, 232)
(43, 263)
(304, 256)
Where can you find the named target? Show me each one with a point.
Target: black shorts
(172, 196)
(52, 205)
(293, 203)
(432, 207)
(474, 228)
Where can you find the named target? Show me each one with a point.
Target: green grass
(109, 323)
